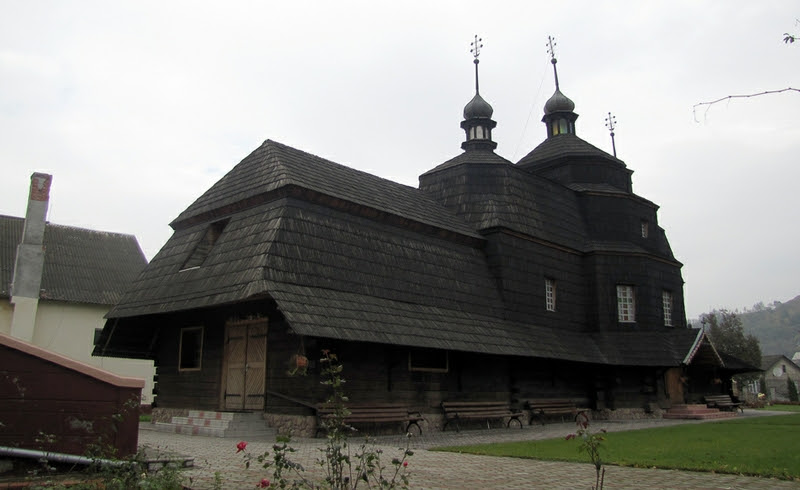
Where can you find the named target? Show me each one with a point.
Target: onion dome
(559, 116)
(558, 103)
(477, 123)
(477, 107)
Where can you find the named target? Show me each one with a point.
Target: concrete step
(209, 415)
(696, 412)
(218, 424)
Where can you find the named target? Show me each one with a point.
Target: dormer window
(204, 246)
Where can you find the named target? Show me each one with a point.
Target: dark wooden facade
(455, 272)
(52, 403)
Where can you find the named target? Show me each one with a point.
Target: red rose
(264, 483)
(405, 463)
(241, 446)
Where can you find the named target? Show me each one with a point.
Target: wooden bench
(458, 411)
(376, 413)
(723, 402)
(540, 407)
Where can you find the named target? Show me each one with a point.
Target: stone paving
(446, 470)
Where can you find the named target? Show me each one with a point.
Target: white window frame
(666, 303)
(626, 303)
(550, 294)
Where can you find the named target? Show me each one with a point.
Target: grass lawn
(782, 408)
(759, 446)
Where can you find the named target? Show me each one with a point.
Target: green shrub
(792, 387)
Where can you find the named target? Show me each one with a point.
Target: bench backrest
(378, 409)
(549, 403)
(474, 406)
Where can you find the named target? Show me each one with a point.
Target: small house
(58, 282)
(779, 371)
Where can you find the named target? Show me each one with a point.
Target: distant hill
(777, 326)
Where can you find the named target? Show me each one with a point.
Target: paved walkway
(445, 470)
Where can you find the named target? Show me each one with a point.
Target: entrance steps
(696, 412)
(219, 424)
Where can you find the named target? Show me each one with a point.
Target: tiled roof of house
(769, 361)
(80, 265)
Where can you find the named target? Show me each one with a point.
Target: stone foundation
(626, 414)
(306, 426)
(292, 425)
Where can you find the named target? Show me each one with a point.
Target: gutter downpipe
(59, 457)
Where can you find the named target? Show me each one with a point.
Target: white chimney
(29, 262)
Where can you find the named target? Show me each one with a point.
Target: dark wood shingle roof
(273, 166)
(492, 195)
(564, 146)
(80, 265)
(340, 253)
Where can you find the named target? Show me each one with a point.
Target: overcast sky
(138, 107)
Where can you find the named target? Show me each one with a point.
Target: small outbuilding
(56, 404)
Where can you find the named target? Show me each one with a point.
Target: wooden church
(491, 281)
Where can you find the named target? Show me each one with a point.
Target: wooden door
(674, 386)
(245, 365)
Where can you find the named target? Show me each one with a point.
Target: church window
(666, 301)
(626, 304)
(550, 294)
(645, 229)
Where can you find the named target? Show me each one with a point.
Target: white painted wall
(68, 328)
(6, 312)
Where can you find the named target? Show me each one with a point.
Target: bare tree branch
(743, 96)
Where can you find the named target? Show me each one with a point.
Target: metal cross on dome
(551, 45)
(611, 123)
(477, 44)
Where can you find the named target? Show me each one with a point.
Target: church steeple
(478, 123)
(559, 117)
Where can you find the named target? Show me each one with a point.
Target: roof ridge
(530, 158)
(90, 230)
